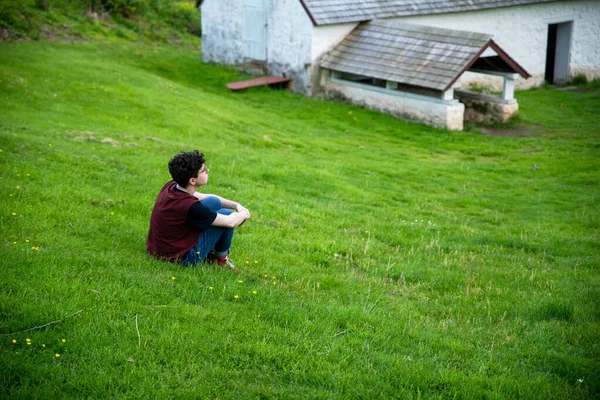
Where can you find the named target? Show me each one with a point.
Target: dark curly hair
(185, 166)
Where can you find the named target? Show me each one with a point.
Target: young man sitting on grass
(187, 226)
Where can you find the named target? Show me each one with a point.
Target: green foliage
(408, 262)
(482, 88)
(579, 79)
(17, 17)
(161, 20)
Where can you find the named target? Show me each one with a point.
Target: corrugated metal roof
(326, 12)
(405, 53)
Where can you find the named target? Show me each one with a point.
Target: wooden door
(255, 30)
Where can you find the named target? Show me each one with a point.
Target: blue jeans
(215, 237)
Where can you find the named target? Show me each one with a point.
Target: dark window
(365, 80)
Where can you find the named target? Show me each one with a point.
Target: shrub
(579, 79)
(17, 15)
(185, 16)
(25, 18)
(482, 88)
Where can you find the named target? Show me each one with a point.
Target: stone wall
(484, 108)
(222, 30)
(289, 43)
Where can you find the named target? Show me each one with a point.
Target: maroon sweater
(169, 237)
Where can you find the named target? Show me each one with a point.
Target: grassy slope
(407, 261)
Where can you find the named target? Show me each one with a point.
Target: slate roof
(411, 54)
(326, 12)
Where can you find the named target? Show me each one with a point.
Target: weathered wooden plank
(262, 81)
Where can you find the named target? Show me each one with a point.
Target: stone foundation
(485, 108)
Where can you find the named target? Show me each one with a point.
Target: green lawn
(388, 259)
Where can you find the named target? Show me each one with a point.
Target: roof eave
(501, 53)
(466, 67)
(507, 59)
(307, 10)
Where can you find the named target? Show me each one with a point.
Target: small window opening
(365, 80)
(418, 90)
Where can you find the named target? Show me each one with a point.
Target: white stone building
(541, 40)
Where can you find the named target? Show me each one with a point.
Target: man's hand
(241, 208)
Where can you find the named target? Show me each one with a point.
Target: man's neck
(188, 189)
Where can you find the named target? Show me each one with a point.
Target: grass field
(384, 259)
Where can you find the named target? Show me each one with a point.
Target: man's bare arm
(230, 204)
(232, 220)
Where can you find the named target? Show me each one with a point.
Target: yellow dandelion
(14, 340)
(14, 242)
(255, 262)
(29, 340)
(210, 288)
(28, 343)
(236, 297)
(50, 144)
(247, 262)
(254, 292)
(0, 150)
(64, 340)
(14, 213)
(173, 278)
(266, 275)
(26, 240)
(43, 345)
(274, 283)
(57, 355)
(349, 112)
(240, 281)
(18, 187)
(112, 213)
(274, 277)
(197, 252)
(26, 174)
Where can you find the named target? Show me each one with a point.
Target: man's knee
(213, 203)
(224, 211)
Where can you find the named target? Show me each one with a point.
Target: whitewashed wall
(289, 42)
(523, 33)
(222, 31)
(324, 38)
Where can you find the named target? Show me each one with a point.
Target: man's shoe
(211, 257)
(225, 262)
